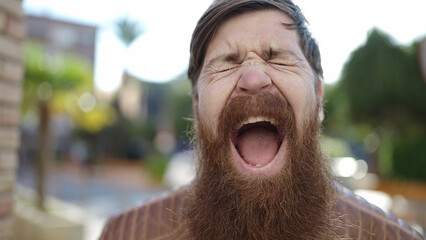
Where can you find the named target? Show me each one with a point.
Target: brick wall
(12, 33)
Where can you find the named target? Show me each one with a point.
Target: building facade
(63, 37)
(12, 34)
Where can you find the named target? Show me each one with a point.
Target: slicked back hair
(222, 10)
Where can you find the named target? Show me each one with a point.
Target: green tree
(127, 30)
(381, 91)
(57, 84)
(179, 108)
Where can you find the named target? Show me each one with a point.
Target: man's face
(250, 55)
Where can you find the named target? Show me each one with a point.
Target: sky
(162, 52)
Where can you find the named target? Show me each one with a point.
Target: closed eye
(281, 64)
(227, 69)
(284, 63)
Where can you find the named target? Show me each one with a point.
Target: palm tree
(127, 30)
(47, 79)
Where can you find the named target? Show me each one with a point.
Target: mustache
(266, 105)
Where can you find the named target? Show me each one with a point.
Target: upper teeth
(257, 119)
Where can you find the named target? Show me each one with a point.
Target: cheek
(207, 109)
(212, 98)
(300, 95)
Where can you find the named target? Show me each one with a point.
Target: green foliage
(166, 108)
(179, 106)
(409, 159)
(335, 147)
(61, 81)
(382, 91)
(382, 80)
(59, 73)
(156, 165)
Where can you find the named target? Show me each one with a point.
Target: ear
(194, 100)
(320, 90)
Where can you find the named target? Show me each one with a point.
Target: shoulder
(154, 219)
(361, 219)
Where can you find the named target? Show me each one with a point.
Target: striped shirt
(163, 218)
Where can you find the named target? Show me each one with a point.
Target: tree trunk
(43, 152)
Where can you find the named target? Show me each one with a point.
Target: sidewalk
(90, 196)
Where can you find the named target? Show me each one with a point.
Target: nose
(253, 81)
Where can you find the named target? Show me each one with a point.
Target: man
(257, 101)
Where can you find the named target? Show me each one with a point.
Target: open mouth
(257, 141)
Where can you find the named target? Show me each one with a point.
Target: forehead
(255, 29)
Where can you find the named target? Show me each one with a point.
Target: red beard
(296, 203)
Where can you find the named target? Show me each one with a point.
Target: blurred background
(106, 106)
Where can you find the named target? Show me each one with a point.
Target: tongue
(258, 146)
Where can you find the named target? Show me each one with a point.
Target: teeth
(258, 119)
(257, 165)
